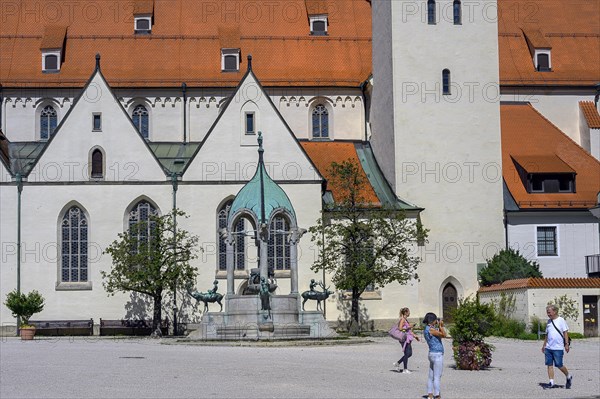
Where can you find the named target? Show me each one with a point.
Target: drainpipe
(19, 181)
(174, 184)
(505, 230)
(183, 89)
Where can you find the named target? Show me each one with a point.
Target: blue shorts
(554, 357)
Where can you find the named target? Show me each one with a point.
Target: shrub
(508, 328)
(24, 305)
(506, 265)
(537, 325)
(473, 321)
(576, 335)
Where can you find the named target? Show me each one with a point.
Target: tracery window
(48, 122)
(320, 122)
(74, 246)
(140, 119)
(239, 244)
(278, 248)
(141, 225)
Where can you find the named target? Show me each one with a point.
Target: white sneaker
(406, 371)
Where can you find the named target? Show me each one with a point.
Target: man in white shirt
(557, 338)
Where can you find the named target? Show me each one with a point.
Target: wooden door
(450, 301)
(590, 316)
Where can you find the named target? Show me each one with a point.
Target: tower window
(457, 12)
(431, 12)
(446, 82)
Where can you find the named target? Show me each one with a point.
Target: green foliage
(472, 355)
(537, 325)
(506, 306)
(152, 257)
(508, 328)
(472, 320)
(24, 305)
(508, 264)
(575, 335)
(567, 307)
(363, 245)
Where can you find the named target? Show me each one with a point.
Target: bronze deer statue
(211, 296)
(317, 296)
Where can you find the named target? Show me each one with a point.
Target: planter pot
(27, 333)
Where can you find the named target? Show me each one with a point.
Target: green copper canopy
(261, 195)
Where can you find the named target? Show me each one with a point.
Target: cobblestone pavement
(145, 368)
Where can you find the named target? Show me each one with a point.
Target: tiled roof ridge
(590, 112)
(587, 154)
(196, 37)
(542, 282)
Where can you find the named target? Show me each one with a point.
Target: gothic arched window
(48, 121)
(74, 246)
(97, 164)
(320, 122)
(239, 243)
(278, 248)
(141, 225)
(140, 119)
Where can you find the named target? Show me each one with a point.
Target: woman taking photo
(434, 332)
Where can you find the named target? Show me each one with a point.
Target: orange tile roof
(536, 39)
(591, 114)
(185, 45)
(324, 153)
(571, 28)
(526, 132)
(143, 7)
(537, 282)
(54, 37)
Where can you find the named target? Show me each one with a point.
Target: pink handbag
(398, 334)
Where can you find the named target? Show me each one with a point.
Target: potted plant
(24, 306)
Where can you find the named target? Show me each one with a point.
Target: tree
(508, 264)
(153, 256)
(362, 244)
(567, 307)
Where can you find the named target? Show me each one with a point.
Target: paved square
(145, 368)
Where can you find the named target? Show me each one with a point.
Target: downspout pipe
(174, 184)
(19, 181)
(184, 90)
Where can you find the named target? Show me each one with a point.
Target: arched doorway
(449, 301)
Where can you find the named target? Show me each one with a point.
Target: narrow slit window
(431, 12)
(250, 123)
(97, 164)
(96, 122)
(446, 81)
(457, 12)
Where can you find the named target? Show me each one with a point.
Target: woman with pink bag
(405, 326)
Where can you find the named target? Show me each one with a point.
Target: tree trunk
(157, 312)
(354, 328)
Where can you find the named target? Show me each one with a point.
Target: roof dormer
(229, 37)
(540, 50)
(52, 47)
(318, 24)
(143, 16)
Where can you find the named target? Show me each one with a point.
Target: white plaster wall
(19, 122)
(5, 176)
(284, 157)
(126, 154)
(532, 303)
(521, 302)
(577, 236)
(8, 248)
(106, 206)
(595, 143)
(447, 148)
(347, 113)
